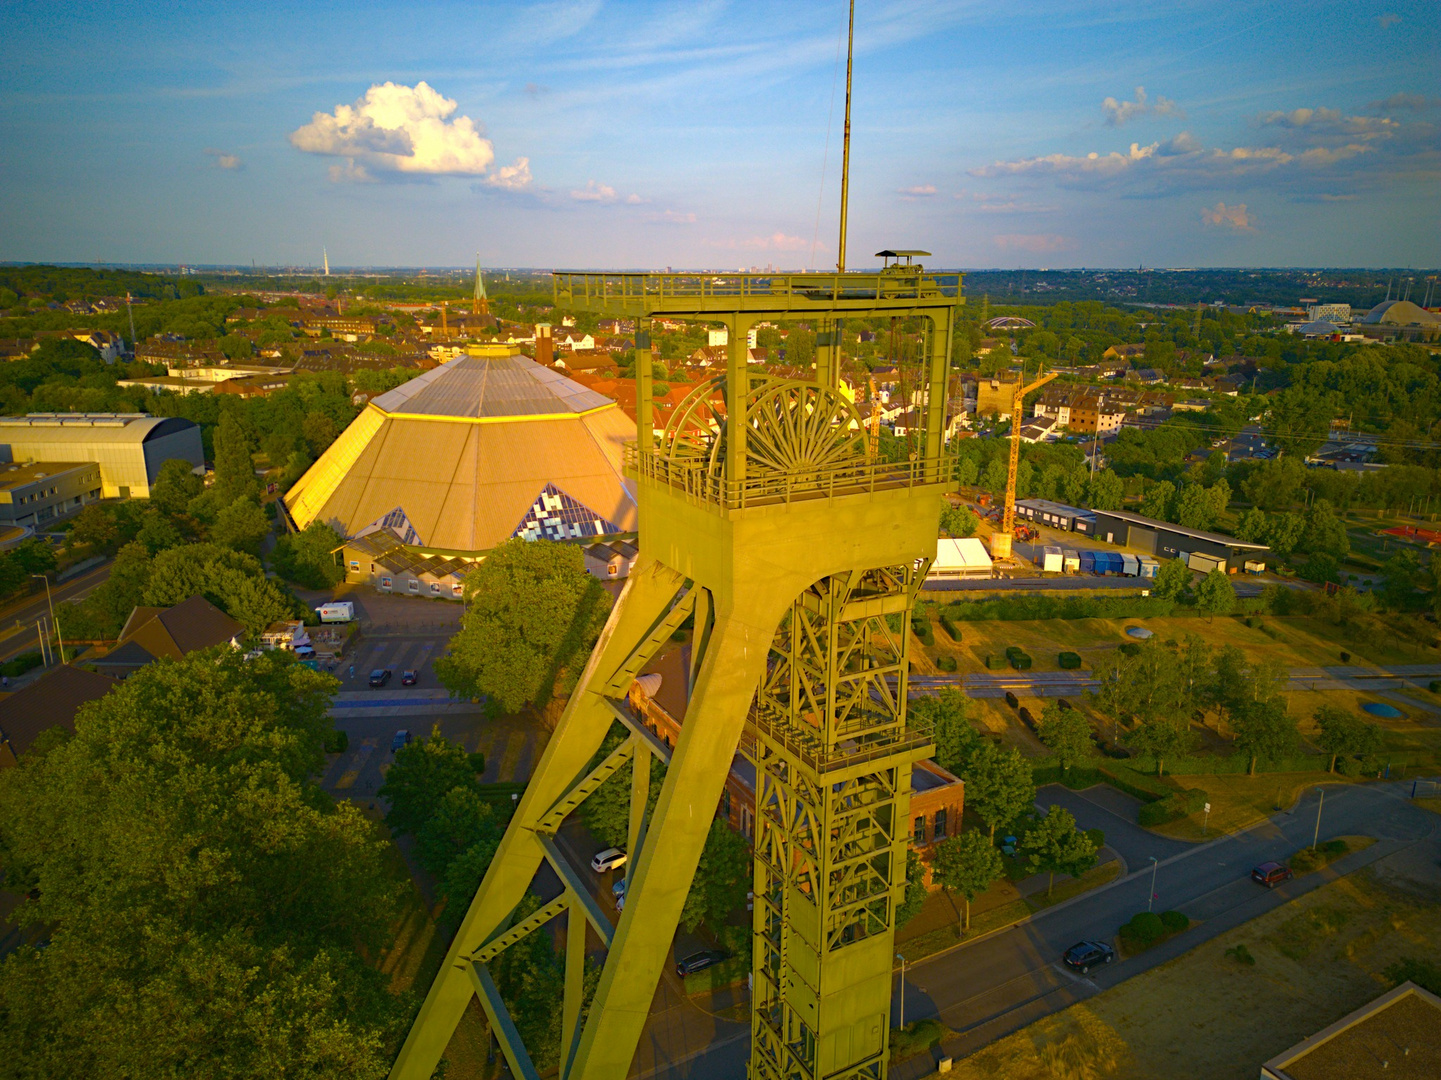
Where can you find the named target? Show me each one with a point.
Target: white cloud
(634, 200)
(1033, 242)
(1121, 112)
(230, 162)
(1093, 162)
(1388, 20)
(673, 217)
(919, 191)
(1235, 218)
(776, 241)
(593, 192)
(1321, 122)
(401, 129)
(1398, 102)
(511, 177)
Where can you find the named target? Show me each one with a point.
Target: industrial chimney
(544, 346)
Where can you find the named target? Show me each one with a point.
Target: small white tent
(964, 558)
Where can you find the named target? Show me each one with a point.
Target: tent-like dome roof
(1400, 313)
(474, 452)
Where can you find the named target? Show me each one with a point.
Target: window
(385, 583)
(940, 828)
(355, 564)
(919, 833)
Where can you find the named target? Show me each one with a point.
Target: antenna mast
(846, 144)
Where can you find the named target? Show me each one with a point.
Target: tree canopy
(205, 899)
(532, 615)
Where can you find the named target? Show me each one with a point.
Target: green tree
(1066, 733)
(175, 486)
(236, 347)
(308, 557)
(1172, 579)
(1284, 532)
(1159, 501)
(1265, 730)
(242, 525)
(722, 878)
(1325, 532)
(999, 786)
(459, 821)
(532, 615)
(96, 526)
(204, 899)
(1253, 527)
(966, 863)
(955, 737)
(234, 467)
(994, 479)
(158, 532)
(231, 580)
(915, 897)
(1402, 578)
(958, 521)
(967, 472)
(1343, 732)
(1054, 845)
(1163, 737)
(1105, 491)
(421, 776)
(1216, 595)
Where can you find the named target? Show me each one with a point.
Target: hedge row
(949, 625)
(1014, 608)
(1228, 766)
(1146, 788)
(1069, 661)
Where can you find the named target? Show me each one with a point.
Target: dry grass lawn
(1206, 1016)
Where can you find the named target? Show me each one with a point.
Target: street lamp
(46, 578)
(1155, 865)
(902, 959)
(1316, 838)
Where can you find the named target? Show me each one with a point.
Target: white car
(609, 859)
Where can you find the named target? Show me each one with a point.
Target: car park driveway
(1114, 813)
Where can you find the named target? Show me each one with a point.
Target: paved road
(18, 620)
(998, 983)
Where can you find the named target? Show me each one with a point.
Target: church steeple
(480, 303)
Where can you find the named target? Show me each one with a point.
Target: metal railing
(642, 290)
(700, 486)
(805, 744)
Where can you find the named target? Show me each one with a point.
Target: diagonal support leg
(675, 837)
(649, 596)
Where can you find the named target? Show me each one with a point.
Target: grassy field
(1208, 1016)
(1293, 640)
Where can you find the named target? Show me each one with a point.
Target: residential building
(611, 561)
(50, 701)
(1040, 429)
(382, 559)
(128, 447)
(38, 492)
(175, 632)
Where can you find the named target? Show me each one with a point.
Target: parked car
(609, 859)
(1271, 874)
(699, 961)
(380, 676)
(1084, 955)
(409, 678)
(618, 889)
(400, 739)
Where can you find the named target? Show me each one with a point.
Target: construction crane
(873, 424)
(1001, 540)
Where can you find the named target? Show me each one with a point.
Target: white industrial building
(129, 448)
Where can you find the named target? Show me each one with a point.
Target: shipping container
(1051, 559)
(1088, 562)
(1130, 565)
(1070, 561)
(1255, 566)
(1200, 561)
(1109, 562)
(1149, 566)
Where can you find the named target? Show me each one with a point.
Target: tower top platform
(898, 291)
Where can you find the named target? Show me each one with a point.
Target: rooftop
(483, 387)
(1397, 1036)
(17, 475)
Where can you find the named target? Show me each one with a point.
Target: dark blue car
(1084, 955)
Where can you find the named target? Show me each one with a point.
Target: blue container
(1088, 562)
(1109, 562)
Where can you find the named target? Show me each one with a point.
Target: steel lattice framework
(766, 521)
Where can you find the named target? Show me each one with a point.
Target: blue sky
(593, 133)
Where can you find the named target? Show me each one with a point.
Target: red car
(1271, 874)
